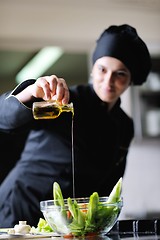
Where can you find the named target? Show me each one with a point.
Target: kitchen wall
(141, 191)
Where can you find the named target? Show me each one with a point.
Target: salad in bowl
(74, 217)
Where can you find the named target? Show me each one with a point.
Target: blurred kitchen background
(31, 28)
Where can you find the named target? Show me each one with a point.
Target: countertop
(124, 236)
(124, 229)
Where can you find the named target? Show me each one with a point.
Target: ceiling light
(42, 61)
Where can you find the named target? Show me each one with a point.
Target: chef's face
(110, 78)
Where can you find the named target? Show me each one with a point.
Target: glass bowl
(80, 219)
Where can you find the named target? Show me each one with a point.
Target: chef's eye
(122, 74)
(101, 69)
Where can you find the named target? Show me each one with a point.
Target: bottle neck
(68, 108)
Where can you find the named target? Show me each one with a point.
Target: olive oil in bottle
(50, 109)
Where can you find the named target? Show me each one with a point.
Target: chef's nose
(109, 78)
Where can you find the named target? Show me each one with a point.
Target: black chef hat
(122, 42)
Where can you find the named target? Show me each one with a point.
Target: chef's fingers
(62, 91)
(52, 87)
(42, 89)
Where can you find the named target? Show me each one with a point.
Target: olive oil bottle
(50, 109)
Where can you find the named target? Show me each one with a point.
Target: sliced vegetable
(115, 193)
(91, 213)
(42, 226)
(58, 197)
(78, 223)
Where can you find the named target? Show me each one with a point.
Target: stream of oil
(73, 161)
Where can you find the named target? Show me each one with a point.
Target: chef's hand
(51, 88)
(46, 88)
